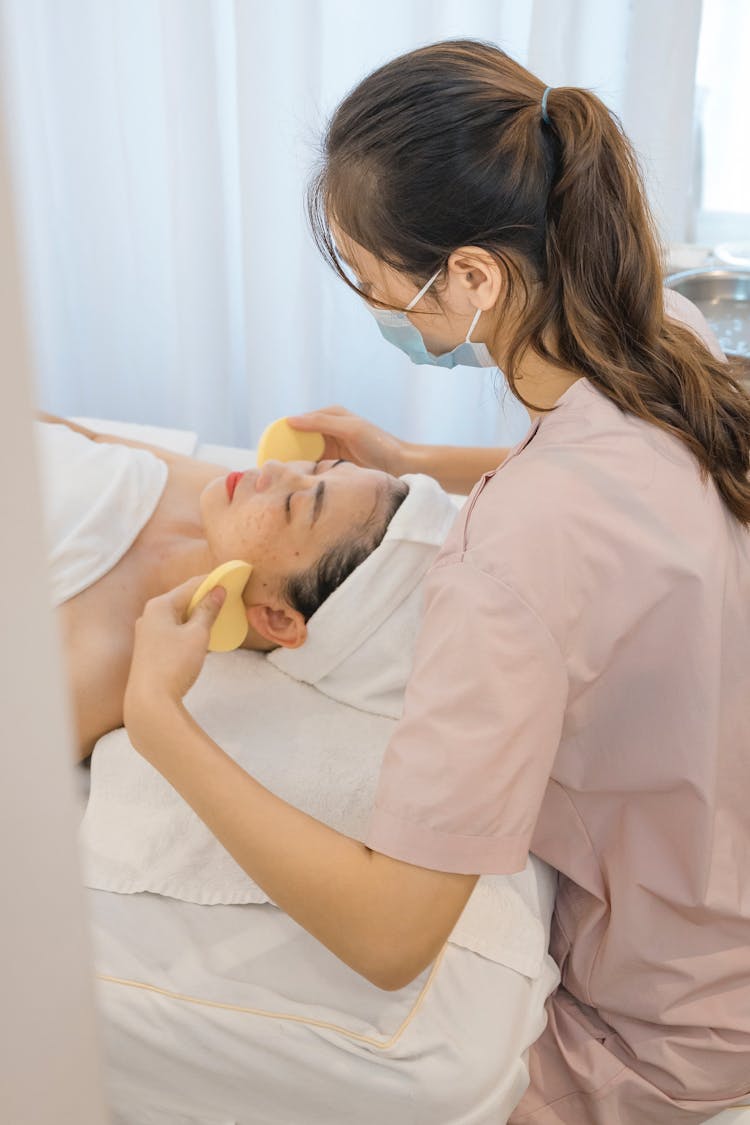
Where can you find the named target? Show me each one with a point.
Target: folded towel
(321, 755)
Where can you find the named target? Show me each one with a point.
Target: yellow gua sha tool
(279, 442)
(230, 627)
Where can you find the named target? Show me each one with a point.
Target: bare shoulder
(179, 462)
(97, 664)
(184, 465)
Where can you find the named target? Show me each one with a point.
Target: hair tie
(545, 95)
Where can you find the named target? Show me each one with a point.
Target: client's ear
(279, 625)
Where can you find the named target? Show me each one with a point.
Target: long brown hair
(446, 147)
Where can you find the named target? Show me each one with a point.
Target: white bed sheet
(235, 1015)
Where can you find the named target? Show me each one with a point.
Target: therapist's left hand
(169, 651)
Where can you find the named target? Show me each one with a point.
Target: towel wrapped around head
(360, 642)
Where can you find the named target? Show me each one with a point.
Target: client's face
(284, 517)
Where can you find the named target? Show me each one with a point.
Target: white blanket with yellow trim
(318, 754)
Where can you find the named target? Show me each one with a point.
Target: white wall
(49, 1067)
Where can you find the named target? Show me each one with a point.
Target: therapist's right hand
(354, 439)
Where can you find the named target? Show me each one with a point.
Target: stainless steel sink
(723, 296)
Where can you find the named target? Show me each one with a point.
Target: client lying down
(129, 524)
(216, 1006)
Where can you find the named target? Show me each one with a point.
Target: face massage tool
(279, 442)
(230, 627)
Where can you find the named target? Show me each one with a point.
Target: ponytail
(604, 296)
(449, 146)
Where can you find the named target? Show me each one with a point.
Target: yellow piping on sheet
(380, 1044)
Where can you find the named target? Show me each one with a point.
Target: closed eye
(318, 491)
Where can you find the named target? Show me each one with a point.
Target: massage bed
(218, 1009)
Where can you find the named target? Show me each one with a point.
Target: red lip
(231, 482)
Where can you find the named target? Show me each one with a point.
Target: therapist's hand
(354, 439)
(169, 652)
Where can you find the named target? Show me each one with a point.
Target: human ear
(281, 625)
(478, 275)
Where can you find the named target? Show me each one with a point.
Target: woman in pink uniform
(580, 686)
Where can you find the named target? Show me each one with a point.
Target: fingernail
(218, 595)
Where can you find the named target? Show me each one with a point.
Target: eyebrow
(320, 494)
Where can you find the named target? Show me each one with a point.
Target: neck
(542, 382)
(186, 557)
(179, 556)
(255, 642)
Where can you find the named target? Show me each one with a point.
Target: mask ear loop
(421, 294)
(473, 325)
(422, 291)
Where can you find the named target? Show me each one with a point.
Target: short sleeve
(466, 768)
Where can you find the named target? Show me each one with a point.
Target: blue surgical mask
(398, 329)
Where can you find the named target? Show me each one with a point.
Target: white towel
(323, 756)
(360, 643)
(96, 499)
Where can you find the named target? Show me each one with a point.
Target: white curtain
(161, 149)
(725, 38)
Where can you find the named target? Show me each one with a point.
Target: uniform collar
(564, 400)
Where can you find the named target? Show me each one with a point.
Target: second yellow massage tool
(230, 627)
(279, 442)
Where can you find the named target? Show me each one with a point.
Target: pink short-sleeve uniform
(581, 688)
